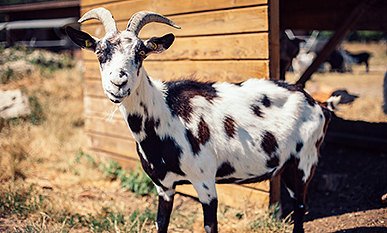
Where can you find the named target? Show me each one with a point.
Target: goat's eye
(142, 53)
(98, 52)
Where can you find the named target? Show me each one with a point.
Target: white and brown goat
(206, 133)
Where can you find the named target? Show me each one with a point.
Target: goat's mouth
(116, 98)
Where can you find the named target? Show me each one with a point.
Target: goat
(289, 49)
(336, 60)
(204, 133)
(301, 62)
(360, 58)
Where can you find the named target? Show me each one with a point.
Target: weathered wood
(275, 190)
(93, 87)
(230, 71)
(224, 71)
(233, 195)
(124, 161)
(274, 45)
(116, 145)
(244, 46)
(113, 127)
(124, 9)
(243, 20)
(100, 107)
(341, 32)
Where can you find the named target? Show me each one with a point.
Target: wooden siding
(224, 40)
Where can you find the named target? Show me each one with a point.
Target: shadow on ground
(346, 180)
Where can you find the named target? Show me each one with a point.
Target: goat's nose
(119, 83)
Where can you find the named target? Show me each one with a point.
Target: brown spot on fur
(294, 88)
(180, 94)
(269, 143)
(229, 126)
(194, 142)
(204, 132)
(225, 169)
(203, 136)
(266, 101)
(273, 161)
(257, 110)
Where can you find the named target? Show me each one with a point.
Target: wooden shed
(219, 41)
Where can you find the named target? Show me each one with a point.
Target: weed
(80, 154)
(136, 181)
(37, 116)
(139, 219)
(111, 169)
(270, 222)
(21, 201)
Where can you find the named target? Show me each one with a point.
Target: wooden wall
(223, 40)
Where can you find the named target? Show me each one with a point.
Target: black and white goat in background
(206, 133)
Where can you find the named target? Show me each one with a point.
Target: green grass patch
(136, 181)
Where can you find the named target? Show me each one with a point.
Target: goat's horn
(102, 15)
(140, 19)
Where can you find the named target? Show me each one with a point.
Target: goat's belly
(245, 180)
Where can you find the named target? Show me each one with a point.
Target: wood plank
(224, 71)
(236, 196)
(243, 20)
(84, 3)
(101, 107)
(124, 9)
(91, 70)
(115, 145)
(244, 46)
(274, 44)
(262, 186)
(114, 127)
(125, 162)
(93, 87)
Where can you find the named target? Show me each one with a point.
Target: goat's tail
(332, 103)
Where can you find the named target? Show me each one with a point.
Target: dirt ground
(345, 193)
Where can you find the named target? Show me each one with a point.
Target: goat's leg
(292, 177)
(210, 219)
(207, 196)
(367, 66)
(166, 197)
(301, 197)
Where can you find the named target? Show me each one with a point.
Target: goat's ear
(159, 44)
(82, 39)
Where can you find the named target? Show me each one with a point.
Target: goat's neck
(147, 100)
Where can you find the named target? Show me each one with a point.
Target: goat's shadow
(351, 173)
